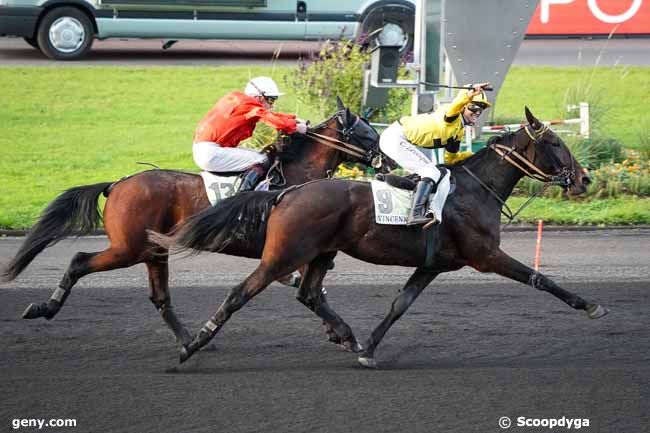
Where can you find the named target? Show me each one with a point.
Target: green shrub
(594, 151)
(262, 137)
(338, 70)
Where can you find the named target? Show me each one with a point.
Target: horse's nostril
(586, 180)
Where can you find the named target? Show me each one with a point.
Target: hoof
(367, 362)
(353, 346)
(32, 311)
(596, 311)
(185, 354)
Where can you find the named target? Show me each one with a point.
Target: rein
(519, 161)
(343, 146)
(510, 216)
(334, 143)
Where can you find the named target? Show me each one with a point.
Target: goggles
(271, 99)
(475, 108)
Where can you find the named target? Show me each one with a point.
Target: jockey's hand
(301, 128)
(476, 89)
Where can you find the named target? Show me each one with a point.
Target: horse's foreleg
(82, 264)
(158, 270)
(504, 265)
(418, 281)
(311, 295)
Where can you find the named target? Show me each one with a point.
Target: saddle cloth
(221, 187)
(392, 205)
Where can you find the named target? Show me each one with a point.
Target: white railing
(583, 121)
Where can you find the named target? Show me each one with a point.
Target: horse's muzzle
(579, 186)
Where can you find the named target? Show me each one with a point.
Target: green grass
(616, 95)
(61, 127)
(619, 211)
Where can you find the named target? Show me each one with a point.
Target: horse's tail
(76, 210)
(242, 217)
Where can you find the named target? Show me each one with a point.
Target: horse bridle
(564, 178)
(348, 134)
(509, 154)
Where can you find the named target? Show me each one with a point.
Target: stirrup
(420, 220)
(434, 221)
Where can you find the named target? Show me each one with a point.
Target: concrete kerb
(511, 228)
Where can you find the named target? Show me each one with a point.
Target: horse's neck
(318, 162)
(496, 173)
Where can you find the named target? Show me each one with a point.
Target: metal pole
(419, 52)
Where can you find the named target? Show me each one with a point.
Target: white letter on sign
(546, 8)
(614, 19)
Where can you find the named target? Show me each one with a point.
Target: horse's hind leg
(158, 270)
(262, 276)
(504, 265)
(311, 295)
(418, 281)
(82, 264)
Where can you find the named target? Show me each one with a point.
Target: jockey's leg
(417, 215)
(394, 144)
(253, 176)
(212, 157)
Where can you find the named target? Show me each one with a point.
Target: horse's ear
(348, 116)
(532, 119)
(340, 104)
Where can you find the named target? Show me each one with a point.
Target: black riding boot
(419, 206)
(252, 177)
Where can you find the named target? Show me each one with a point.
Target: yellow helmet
(481, 100)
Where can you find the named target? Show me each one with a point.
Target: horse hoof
(185, 354)
(32, 311)
(596, 311)
(353, 346)
(367, 362)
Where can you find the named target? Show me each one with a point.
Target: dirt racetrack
(472, 349)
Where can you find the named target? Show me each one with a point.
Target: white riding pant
(212, 157)
(393, 142)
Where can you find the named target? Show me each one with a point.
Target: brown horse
(309, 225)
(159, 199)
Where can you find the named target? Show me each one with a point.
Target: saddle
(410, 181)
(274, 177)
(407, 183)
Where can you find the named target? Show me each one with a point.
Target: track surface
(473, 348)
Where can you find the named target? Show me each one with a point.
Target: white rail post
(584, 119)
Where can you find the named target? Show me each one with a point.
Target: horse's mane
(293, 147)
(290, 148)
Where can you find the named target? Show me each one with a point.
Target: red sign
(590, 17)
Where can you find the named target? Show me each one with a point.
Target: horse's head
(345, 133)
(357, 136)
(550, 158)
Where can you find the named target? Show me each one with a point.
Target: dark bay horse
(309, 225)
(158, 200)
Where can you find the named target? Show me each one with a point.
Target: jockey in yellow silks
(443, 128)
